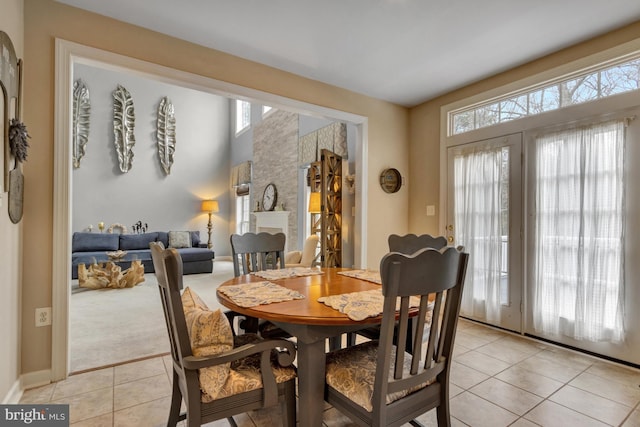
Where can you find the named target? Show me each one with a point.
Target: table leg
(311, 363)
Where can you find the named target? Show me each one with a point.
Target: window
(242, 214)
(606, 81)
(243, 115)
(579, 233)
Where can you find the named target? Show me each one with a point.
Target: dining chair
(253, 252)
(405, 244)
(379, 383)
(216, 373)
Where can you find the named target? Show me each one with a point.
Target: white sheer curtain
(478, 222)
(579, 239)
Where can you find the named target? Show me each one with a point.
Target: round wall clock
(269, 197)
(390, 180)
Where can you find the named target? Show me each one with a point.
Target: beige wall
(11, 22)
(425, 123)
(46, 20)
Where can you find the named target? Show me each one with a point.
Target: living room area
(145, 200)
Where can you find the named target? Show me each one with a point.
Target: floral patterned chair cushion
(210, 334)
(352, 372)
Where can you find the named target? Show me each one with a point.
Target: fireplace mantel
(273, 222)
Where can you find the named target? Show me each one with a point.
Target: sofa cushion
(136, 241)
(209, 334)
(179, 239)
(195, 254)
(88, 242)
(195, 238)
(163, 237)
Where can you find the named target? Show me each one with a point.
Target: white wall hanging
(123, 125)
(166, 134)
(81, 117)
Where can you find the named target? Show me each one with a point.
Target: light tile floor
(498, 379)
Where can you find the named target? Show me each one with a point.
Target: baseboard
(223, 258)
(14, 394)
(35, 379)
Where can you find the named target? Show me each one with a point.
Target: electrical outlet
(43, 316)
(431, 210)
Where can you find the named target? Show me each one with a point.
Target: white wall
(101, 192)
(11, 22)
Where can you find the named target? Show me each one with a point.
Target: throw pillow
(179, 239)
(209, 334)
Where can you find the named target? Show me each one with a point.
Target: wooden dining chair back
(253, 252)
(248, 358)
(411, 243)
(405, 244)
(379, 383)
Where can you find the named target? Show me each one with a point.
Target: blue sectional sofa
(89, 247)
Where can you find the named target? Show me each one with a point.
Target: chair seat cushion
(245, 373)
(209, 334)
(352, 372)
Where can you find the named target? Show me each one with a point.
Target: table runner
(360, 305)
(258, 293)
(368, 275)
(285, 273)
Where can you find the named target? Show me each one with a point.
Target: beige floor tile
(470, 340)
(523, 344)
(89, 405)
(589, 404)
(503, 350)
(550, 414)
(524, 423)
(454, 390)
(459, 349)
(105, 420)
(507, 396)
(82, 383)
(614, 372)
(633, 420)
(482, 362)
(551, 369)
(334, 418)
(149, 414)
(138, 370)
(624, 393)
(38, 395)
(141, 391)
(267, 417)
(567, 357)
(477, 412)
(529, 381)
(464, 376)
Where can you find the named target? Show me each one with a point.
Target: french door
(484, 214)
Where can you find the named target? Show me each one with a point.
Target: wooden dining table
(311, 322)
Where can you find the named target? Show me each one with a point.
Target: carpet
(112, 326)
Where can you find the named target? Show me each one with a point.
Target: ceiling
(402, 51)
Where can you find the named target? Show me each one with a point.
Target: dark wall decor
(124, 120)
(81, 118)
(14, 131)
(166, 134)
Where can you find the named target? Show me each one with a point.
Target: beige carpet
(111, 326)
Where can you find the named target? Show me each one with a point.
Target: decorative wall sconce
(209, 206)
(350, 183)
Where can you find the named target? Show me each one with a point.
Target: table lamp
(209, 206)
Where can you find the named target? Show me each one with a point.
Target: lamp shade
(314, 202)
(210, 206)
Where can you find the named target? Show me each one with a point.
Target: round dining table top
(306, 311)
